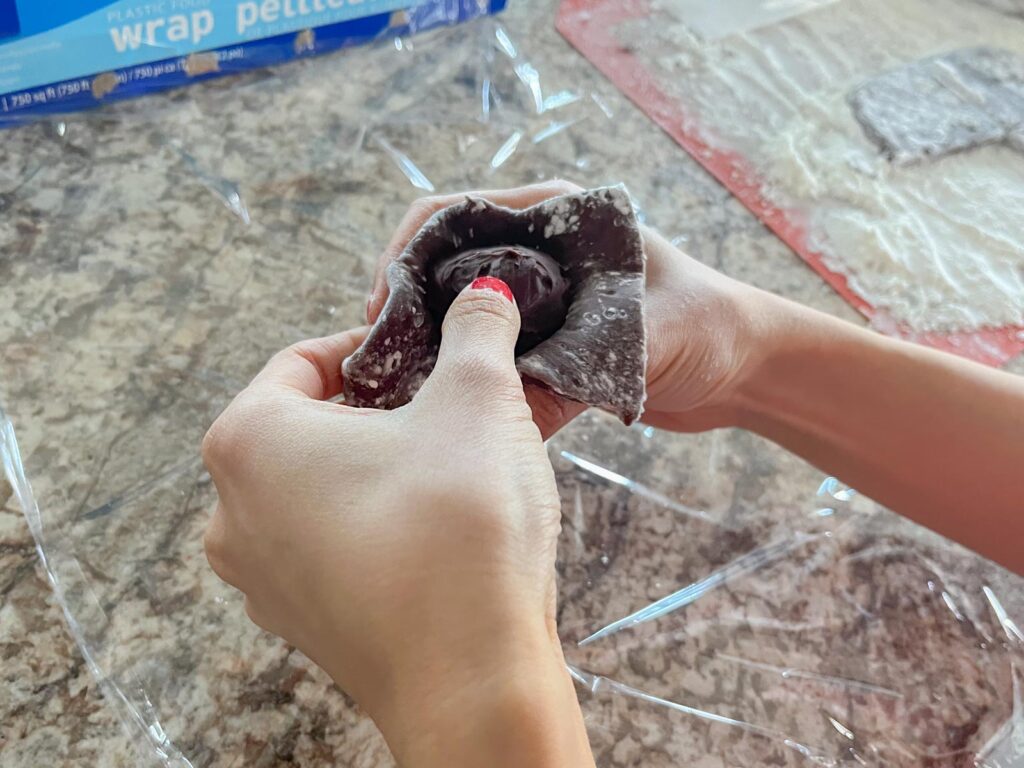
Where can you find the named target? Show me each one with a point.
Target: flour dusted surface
(938, 244)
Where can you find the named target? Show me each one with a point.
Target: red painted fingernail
(493, 284)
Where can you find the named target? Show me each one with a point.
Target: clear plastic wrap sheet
(720, 603)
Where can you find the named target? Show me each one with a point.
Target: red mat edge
(587, 25)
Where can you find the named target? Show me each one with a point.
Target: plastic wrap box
(65, 55)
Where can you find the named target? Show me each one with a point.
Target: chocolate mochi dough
(575, 264)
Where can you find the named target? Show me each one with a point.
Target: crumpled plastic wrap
(720, 602)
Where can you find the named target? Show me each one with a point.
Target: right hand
(699, 339)
(424, 586)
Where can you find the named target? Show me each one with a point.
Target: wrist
(752, 329)
(785, 339)
(515, 705)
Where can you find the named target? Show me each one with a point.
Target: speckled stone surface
(154, 255)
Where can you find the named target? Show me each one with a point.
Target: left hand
(702, 339)
(549, 411)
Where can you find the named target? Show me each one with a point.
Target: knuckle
(230, 435)
(380, 273)
(479, 370)
(425, 207)
(216, 444)
(475, 305)
(263, 616)
(308, 349)
(217, 554)
(312, 351)
(254, 613)
(474, 502)
(565, 185)
(302, 348)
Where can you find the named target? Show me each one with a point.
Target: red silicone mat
(589, 25)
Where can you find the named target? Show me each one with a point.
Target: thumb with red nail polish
(476, 361)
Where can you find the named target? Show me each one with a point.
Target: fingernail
(369, 303)
(492, 284)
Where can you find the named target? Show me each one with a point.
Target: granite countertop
(153, 255)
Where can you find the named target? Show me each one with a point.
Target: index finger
(425, 207)
(311, 367)
(550, 412)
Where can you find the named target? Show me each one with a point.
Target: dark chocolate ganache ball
(537, 281)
